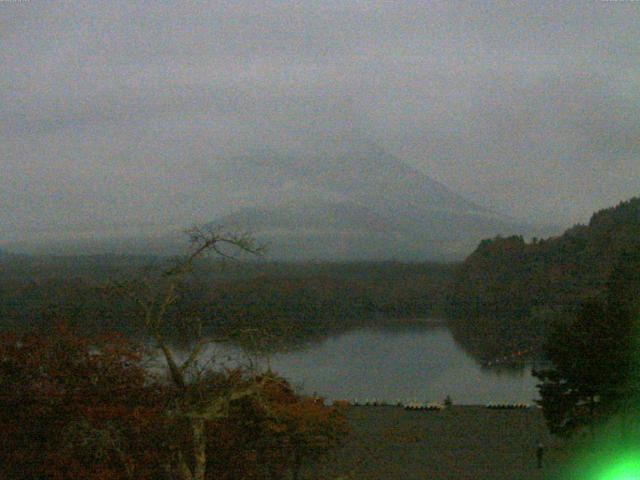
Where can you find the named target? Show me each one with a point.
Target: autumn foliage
(71, 408)
(74, 408)
(273, 435)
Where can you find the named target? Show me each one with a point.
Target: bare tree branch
(193, 356)
(213, 238)
(155, 298)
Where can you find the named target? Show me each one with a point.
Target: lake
(417, 361)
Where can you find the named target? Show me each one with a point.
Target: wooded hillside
(513, 290)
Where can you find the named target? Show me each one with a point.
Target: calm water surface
(420, 362)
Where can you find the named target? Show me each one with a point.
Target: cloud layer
(110, 112)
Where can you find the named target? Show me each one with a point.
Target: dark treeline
(510, 292)
(504, 298)
(306, 299)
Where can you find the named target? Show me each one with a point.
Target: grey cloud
(530, 108)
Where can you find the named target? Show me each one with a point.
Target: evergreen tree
(595, 356)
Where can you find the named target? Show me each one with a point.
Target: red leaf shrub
(78, 408)
(74, 408)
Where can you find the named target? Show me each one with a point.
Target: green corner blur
(591, 394)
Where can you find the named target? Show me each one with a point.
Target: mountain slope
(338, 197)
(351, 200)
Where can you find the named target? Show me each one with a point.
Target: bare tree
(154, 296)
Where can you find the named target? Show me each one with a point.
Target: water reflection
(400, 361)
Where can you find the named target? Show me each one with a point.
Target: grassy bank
(462, 442)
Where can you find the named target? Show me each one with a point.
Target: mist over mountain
(334, 197)
(350, 199)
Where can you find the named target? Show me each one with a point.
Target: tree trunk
(183, 470)
(592, 409)
(297, 466)
(199, 448)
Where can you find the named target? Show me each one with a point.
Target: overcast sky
(109, 109)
